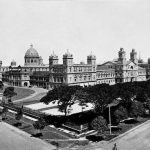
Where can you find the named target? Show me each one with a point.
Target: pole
(109, 119)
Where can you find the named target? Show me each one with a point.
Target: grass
(124, 128)
(21, 93)
(47, 133)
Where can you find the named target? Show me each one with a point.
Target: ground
(14, 139)
(135, 139)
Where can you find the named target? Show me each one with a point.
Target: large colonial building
(27, 75)
(70, 73)
(121, 70)
(35, 73)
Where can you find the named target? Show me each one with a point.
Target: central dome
(31, 52)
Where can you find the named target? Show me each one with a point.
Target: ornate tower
(91, 59)
(53, 59)
(133, 56)
(0, 63)
(122, 55)
(149, 61)
(68, 59)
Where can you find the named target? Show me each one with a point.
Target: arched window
(31, 60)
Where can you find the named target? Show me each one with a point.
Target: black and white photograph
(74, 75)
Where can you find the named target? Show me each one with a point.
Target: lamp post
(109, 119)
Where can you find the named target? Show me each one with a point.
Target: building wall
(82, 74)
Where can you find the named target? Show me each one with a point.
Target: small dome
(121, 50)
(67, 54)
(13, 63)
(31, 52)
(53, 55)
(91, 56)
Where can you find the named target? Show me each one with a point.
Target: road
(137, 138)
(14, 139)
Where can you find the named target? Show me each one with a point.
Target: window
(75, 78)
(70, 69)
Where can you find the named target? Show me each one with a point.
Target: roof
(31, 52)
(40, 73)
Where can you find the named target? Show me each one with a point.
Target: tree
(141, 95)
(137, 109)
(127, 94)
(9, 93)
(100, 95)
(4, 112)
(120, 114)
(99, 124)
(39, 125)
(19, 115)
(81, 96)
(65, 96)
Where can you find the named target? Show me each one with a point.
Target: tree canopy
(99, 124)
(130, 94)
(65, 96)
(9, 93)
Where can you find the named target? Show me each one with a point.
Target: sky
(100, 27)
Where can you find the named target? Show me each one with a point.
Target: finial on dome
(31, 45)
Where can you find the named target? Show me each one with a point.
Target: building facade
(121, 70)
(69, 73)
(25, 75)
(35, 73)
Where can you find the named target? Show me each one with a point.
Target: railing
(29, 112)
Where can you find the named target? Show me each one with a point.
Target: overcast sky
(82, 26)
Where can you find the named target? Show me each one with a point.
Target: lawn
(123, 127)
(48, 132)
(21, 93)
